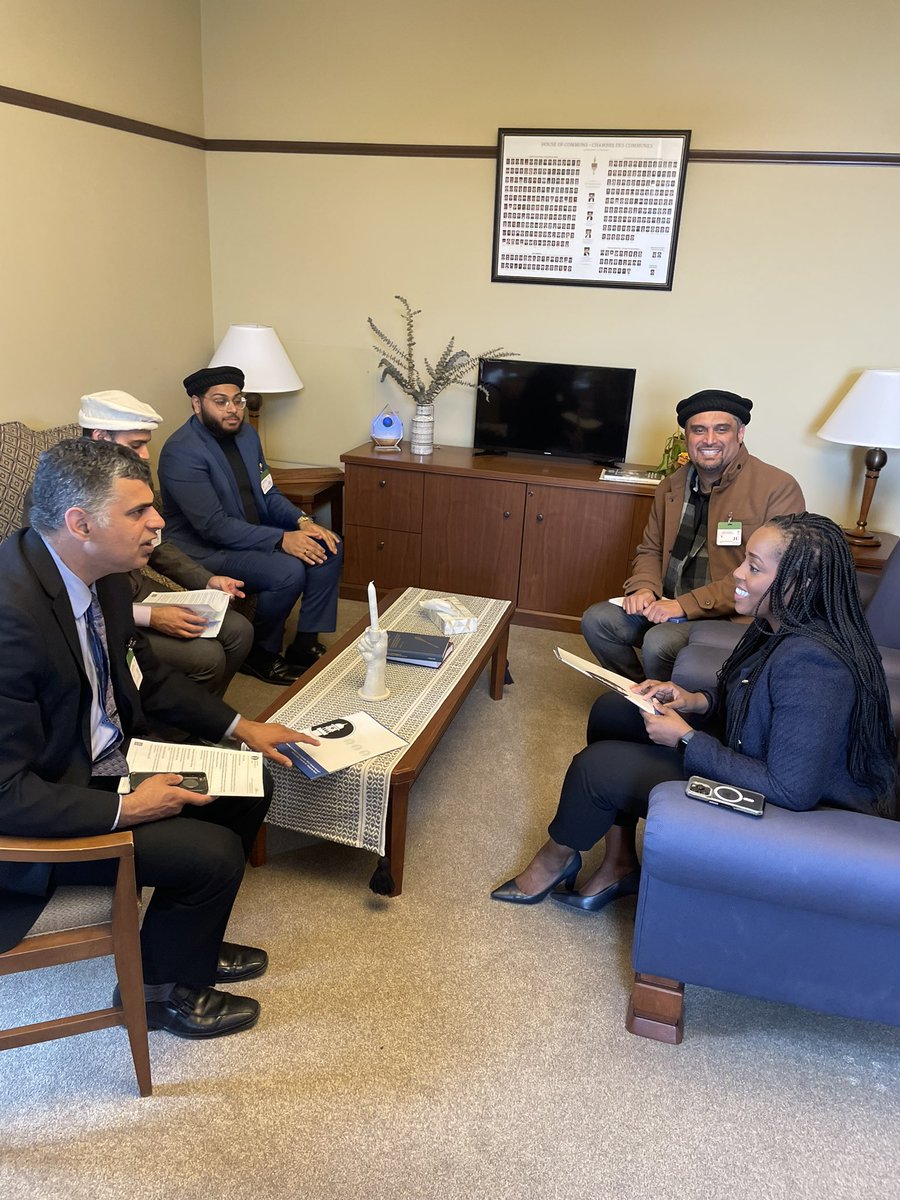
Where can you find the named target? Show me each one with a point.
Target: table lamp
(258, 351)
(869, 415)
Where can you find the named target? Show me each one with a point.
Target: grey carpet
(444, 1045)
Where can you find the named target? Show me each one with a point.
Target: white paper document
(609, 679)
(207, 603)
(230, 772)
(343, 741)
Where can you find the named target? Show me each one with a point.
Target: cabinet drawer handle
(382, 483)
(380, 546)
(506, 515)
(540, 518)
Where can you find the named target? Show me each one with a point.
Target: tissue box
(449, 615)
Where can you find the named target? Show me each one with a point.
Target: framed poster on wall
(596, 208)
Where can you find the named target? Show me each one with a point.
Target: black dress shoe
(240, 962)
(302, 660)
(202, 1013)
(626, 886)
(269, 670)
(510, 893)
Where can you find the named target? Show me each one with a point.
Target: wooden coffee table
(410, 766)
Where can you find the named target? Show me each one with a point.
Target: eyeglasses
(238, 402)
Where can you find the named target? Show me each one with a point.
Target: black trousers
(195, 862)
(609, 781)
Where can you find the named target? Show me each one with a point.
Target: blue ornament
(387, 430)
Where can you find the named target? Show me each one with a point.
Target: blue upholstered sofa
(799, 907)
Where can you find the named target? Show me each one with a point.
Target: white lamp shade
(258, 351)
(869, 415)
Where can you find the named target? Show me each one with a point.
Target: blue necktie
(112, 760)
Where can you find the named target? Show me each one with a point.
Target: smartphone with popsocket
(191, 781)
(726, 795)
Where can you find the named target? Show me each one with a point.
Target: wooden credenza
(547, 535)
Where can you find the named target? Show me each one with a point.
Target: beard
(215, 428)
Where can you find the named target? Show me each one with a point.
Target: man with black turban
(223, 509)
(701, 518)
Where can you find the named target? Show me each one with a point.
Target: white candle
(373, 607)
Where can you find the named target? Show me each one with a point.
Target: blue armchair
(799, 907)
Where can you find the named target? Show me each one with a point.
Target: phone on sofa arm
(726, 795)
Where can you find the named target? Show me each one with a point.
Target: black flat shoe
(302, 660)
(202, 1013)
(509, 891)
(275, 670)
(626, 886)
(240, 962)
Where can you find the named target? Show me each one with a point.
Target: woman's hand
(669, 695)
(666, 727)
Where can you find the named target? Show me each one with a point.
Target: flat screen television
(553, 409)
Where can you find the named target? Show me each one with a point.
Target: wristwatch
(304, 519)
(684, 739)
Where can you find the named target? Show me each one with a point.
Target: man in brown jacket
(701, 519)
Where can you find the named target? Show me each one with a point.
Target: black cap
(200, 382)
(712, 400)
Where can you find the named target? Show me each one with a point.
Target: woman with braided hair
(800, 713)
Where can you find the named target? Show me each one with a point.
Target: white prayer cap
(116, 410)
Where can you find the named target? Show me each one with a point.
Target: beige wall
(136, 58)
(810, 74)
(103, 235)
(785, 276)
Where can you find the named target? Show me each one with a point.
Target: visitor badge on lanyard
(266, 482)
(134, 667)
(728, 533)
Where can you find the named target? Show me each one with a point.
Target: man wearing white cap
(172, 630)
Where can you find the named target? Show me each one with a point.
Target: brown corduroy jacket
(750, 491)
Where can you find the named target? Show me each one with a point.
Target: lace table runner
(350, 806)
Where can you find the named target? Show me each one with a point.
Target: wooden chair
(80, 923)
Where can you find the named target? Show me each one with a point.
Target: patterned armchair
(20, 449)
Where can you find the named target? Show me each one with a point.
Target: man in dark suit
(77, 681)
(223, 509)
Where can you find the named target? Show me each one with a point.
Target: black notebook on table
(417, 649)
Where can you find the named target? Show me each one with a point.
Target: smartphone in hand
(192, 781)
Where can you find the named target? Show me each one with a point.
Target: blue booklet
(343, 741)
(417, 649)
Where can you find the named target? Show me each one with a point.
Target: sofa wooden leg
(656, 1009)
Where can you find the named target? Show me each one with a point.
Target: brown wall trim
(95, 116)
(822, 158)
(392, 150)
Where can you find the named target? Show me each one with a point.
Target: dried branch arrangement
(453, 366)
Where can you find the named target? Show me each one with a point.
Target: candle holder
(372, 647)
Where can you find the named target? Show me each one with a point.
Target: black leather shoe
(240, 962)
(275, 670)
(302, 660)
(626, 886)
(202, 1013)
(509, 891)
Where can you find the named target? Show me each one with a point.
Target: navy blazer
(201, 501)
(45, 711)
(795, 738)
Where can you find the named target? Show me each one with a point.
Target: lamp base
(860, 538)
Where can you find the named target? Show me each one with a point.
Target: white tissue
(449, 615)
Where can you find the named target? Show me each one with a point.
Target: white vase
(421, 434)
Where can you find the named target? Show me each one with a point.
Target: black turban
(713, 400)
(201, 381)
